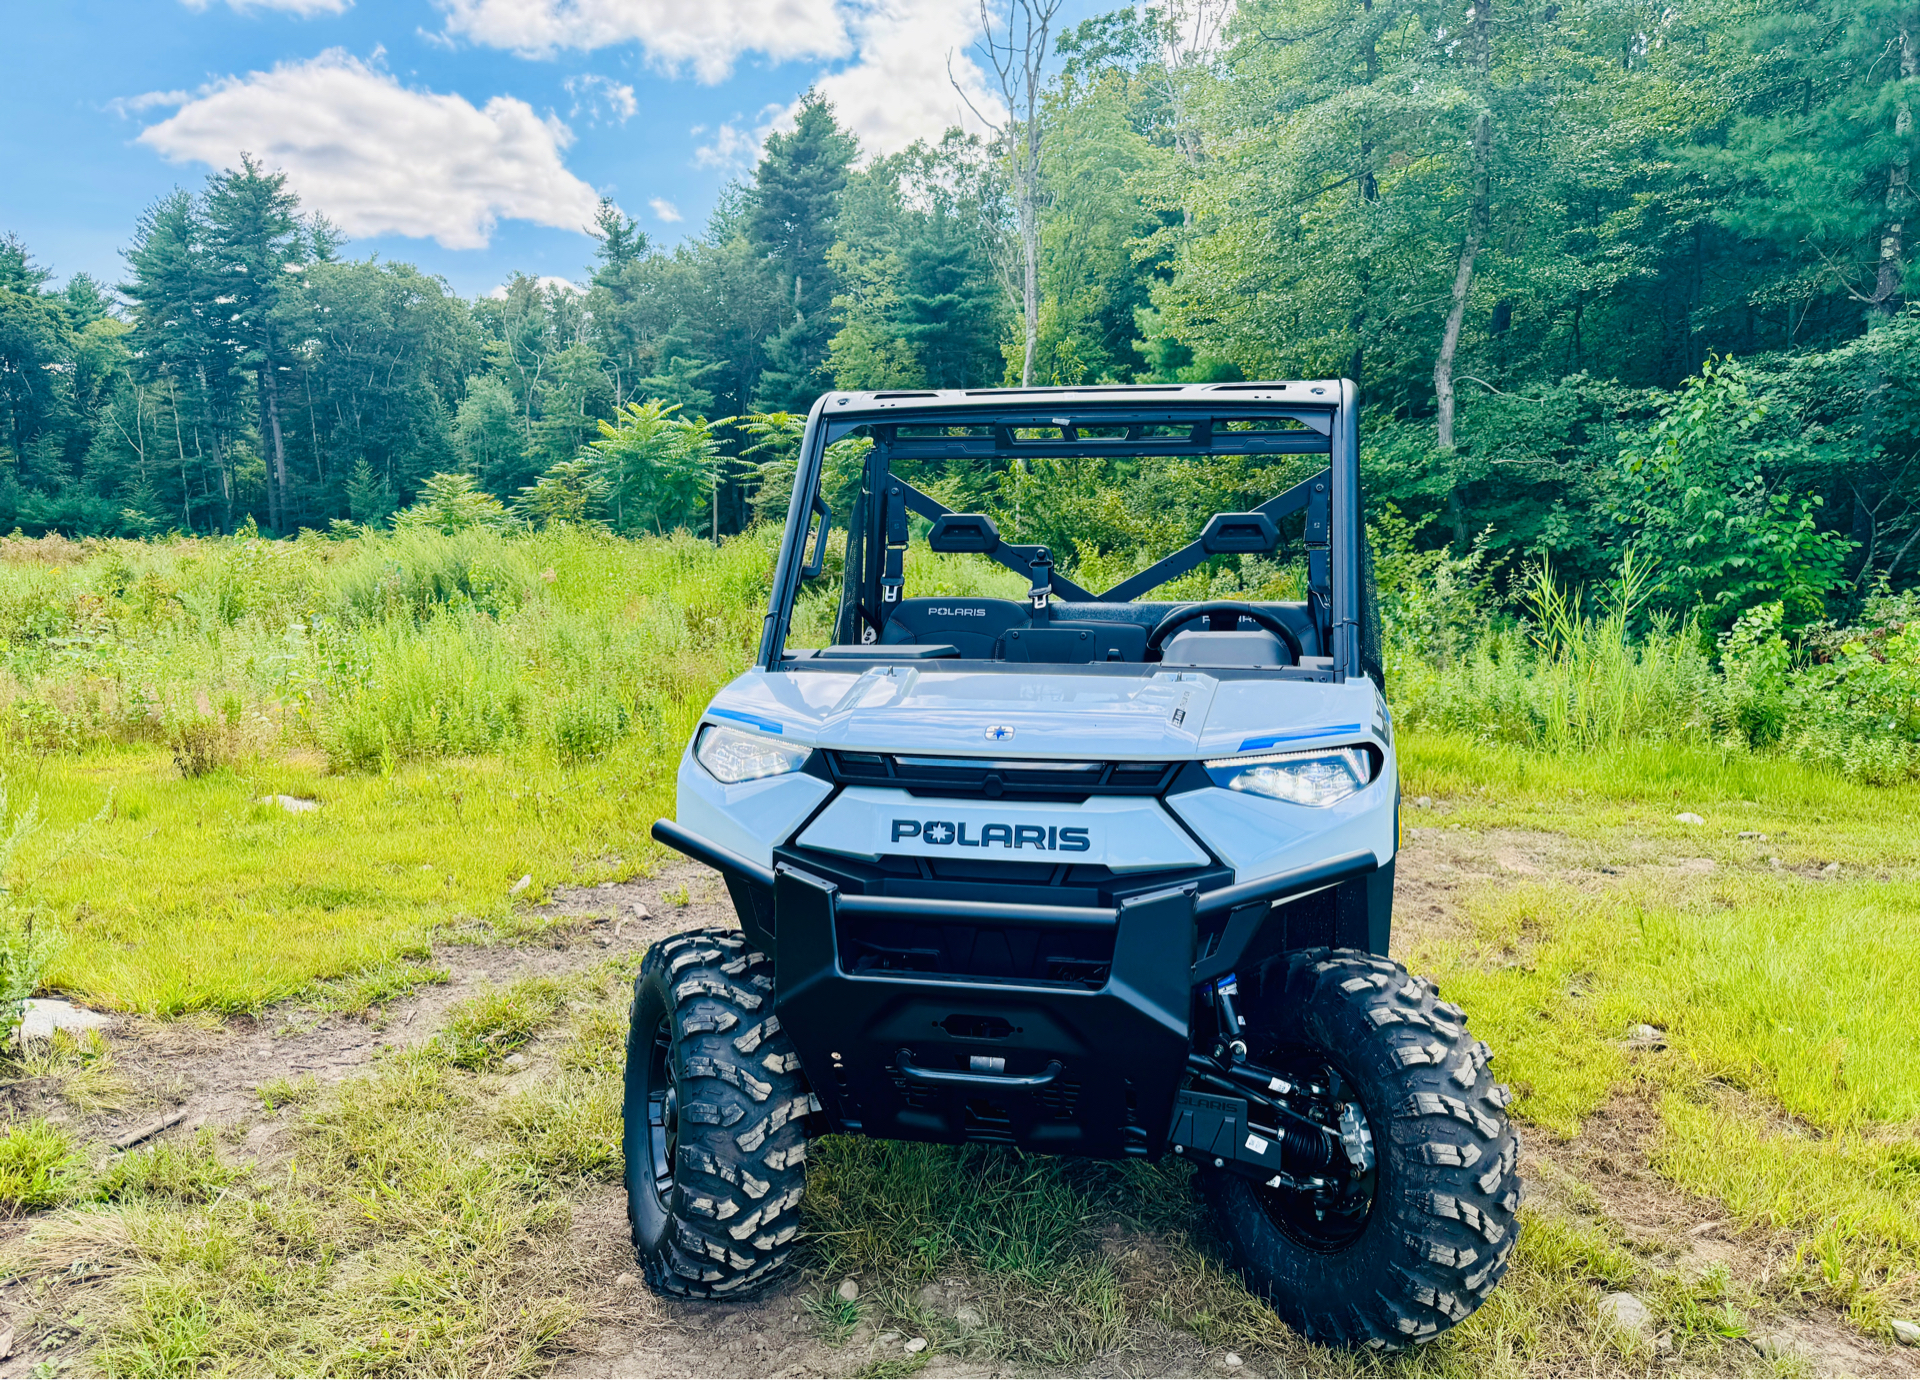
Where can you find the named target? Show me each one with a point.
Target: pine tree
(796, 197)
(621, 240)
(254, 234)
(948, 311)
(1821, 158)
(174, 291)
(36, 348)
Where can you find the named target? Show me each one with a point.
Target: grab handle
(954, 1078)
(811, 570)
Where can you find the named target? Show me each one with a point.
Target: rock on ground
(1627, 1313)
(44, 1016)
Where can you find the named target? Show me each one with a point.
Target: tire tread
(740, 1170)
(1452, 1198)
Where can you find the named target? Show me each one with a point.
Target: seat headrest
(957, 532)
(972, 625)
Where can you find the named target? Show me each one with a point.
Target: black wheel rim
(663, 1114)
(1330, 1220)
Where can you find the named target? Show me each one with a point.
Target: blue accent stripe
(1255, 744)
(768, 724)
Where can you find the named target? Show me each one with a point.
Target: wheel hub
(663, 1116)
(1356, 1138)
(1327, 1213)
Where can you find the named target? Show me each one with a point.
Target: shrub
(1754, 662)
(1856, 706)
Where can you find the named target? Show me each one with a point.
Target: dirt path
(212, 1072)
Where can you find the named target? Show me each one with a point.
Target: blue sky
(468, 136)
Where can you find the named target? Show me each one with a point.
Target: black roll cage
(996, 423)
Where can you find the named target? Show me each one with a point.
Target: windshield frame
(1327, 408)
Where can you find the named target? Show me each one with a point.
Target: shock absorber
(1232, 1024)
(1303, 1152)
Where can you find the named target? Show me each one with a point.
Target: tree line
(1612, 274)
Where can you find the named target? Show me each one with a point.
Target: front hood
(1155, 716)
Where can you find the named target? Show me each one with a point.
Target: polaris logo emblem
(943, 834)
(999, 733)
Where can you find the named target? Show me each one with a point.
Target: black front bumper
(1078, 1054)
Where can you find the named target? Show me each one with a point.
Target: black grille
(918, 1096)
(998, 778)
(1058, 1099)
(1011, 883)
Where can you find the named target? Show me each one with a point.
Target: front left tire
(716, 1114)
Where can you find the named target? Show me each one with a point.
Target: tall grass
(1572, 670)
(376, 650)
(414, 645)
(1569, 675)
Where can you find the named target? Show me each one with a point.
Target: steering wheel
(1270, 622)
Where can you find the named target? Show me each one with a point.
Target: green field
(463, 718)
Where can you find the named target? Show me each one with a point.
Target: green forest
(1614, 276)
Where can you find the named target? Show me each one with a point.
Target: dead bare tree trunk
(277, 513)
(1478, 211)
(1017, 57)
(1886, 291)
(1190, 31)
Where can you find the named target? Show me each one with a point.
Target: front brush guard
(1069, 1069)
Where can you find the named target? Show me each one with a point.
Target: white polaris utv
(1081, 873)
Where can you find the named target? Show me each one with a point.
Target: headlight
(1315, 777)
(733, 756)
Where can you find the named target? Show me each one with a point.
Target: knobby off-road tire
(1440, 1228)
(716, 1110)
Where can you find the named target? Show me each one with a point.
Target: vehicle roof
(839, 406)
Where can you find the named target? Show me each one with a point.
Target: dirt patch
(1439, 863)
(1606, 1174)
(1607, 1171)
(213, 1072)
(209, 1074)
(774, 1334)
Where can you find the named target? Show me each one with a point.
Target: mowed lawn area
(1737, 991)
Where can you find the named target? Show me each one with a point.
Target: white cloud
(601, 98)
(706, 35)
(892, 90)
(377, 158)
(550, 283)
(306, 9)
(734, 147)
(897, 89)
(126, 106)
(665, 209)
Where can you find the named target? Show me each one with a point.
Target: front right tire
(716, 1119)
(1424, 1237)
